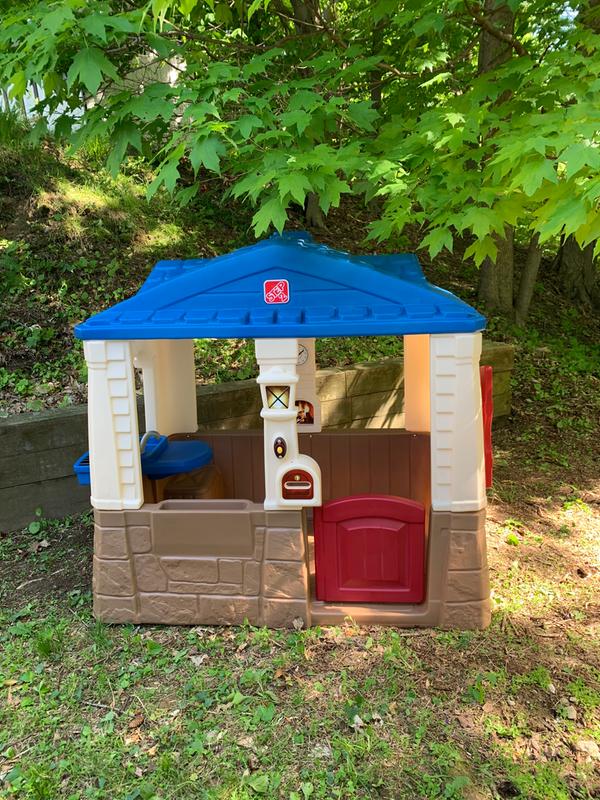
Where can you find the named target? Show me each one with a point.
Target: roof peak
(285, 286)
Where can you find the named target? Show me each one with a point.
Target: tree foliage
(289, 98)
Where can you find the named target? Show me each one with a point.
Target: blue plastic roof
(331, 293)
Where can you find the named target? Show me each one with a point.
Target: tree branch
(488, 26)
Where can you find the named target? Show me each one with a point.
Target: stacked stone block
(140, 577)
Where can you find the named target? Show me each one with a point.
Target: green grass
(91, 711)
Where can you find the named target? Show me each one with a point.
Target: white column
(457, 457)
(277, 359)
(169, 375)
(114, 442)
(306, 389)
(416, 383)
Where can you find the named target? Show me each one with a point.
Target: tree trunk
(496, 278)
(528, 279)
(589, 15)
(312, 212)
(578, 274)
(305, 19)
(493, 51)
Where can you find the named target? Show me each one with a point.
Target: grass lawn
(126, 713)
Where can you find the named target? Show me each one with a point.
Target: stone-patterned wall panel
(110, 542)
(113, 577)
(149, 575)
(168, 609)
(284, 579)
(140, 539)
(195, 570)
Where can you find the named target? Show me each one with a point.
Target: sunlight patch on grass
(162, 235)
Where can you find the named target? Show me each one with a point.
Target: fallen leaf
(139, 772)
(151, 751)
(246, 741)
(357, 723)
(197, 661)
(465, 720)
(12, 699)
(279, 673)
(322, 750)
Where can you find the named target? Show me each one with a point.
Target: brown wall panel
(352, 462)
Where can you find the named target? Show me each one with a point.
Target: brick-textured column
(115, 468)
(458, 556)
(457, 459)
(285, 587)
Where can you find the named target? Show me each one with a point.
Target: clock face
(302, 354)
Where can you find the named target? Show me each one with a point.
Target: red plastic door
(370, 549)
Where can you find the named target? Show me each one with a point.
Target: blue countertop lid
(160, 459)
(285, 286)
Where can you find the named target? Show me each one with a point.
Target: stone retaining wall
(37, 450)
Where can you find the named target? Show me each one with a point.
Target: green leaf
(18, 84)
(255, 5)
(481, 220)
(186, 195)
(305, 99)
(580, 155)
(200, 111)
(362, 114)
(207, 151)
(296, 184)
(248, 123)
(259, 783)
(54, 20)
(271, 212)
(187, 6)
(534, 173)
(125, 134)
(94, 25)
(481, 249)
(436, 240)
(300, 119)
(454, 118)
(329, 195)
(168, 174)
(89, 66)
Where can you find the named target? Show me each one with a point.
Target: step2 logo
(277, 291)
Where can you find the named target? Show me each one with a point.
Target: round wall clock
(302, 354)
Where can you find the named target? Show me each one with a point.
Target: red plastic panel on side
(487, 405)
(370, 549)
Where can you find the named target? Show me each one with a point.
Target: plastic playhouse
(289, 522)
